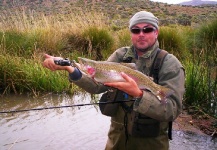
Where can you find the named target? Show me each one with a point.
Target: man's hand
(129, 86)
(49, 63)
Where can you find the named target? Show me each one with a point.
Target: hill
(118, 11)
(198, 3)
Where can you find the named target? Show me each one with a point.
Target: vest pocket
(142, 126)
(106, 108)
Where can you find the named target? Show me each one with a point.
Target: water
(67, 128)
(76, 128)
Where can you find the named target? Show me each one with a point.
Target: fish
(105, 71)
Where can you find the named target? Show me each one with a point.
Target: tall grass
(20, 75)
(201, 69)
(47, 33)
(23, 43)
(172, 40)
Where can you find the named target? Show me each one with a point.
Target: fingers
(126, 77)
(49, 62)
(121, 85)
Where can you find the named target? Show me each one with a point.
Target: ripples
(192, 141)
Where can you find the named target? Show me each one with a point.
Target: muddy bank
(198, 124)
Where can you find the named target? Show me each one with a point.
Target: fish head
(87, 66)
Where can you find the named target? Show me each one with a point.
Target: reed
(123, 37)
(201, 69)
(20, 75)
(48, 33)
(201, 85)
(171, 39)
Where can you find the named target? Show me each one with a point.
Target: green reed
(20, 75)
(201, 69)
(172, 40)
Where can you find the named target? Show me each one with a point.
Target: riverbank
(199, 124)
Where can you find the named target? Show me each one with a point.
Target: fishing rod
(66, 106)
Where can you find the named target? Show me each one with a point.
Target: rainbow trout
(104, 71)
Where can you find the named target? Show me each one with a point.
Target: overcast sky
(175, 1)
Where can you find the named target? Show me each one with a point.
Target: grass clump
(124, 38)
(20, 75)
(171, 39)
(201, 70)
(97, 40)
(206, 35)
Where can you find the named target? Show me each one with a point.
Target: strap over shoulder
(157, 64)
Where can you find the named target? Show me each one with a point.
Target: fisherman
(143, 124)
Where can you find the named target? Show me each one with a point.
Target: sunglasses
(144, 30)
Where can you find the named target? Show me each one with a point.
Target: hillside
(198, 3)
(118, 11)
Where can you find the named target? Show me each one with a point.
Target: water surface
(75, 128)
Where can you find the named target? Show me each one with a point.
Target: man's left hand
(129, 86)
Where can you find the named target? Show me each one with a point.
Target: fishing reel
(63, 62)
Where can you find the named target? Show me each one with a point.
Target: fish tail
(163, 94)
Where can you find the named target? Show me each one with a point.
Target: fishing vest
(136, 124)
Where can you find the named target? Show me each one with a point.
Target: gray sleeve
(171, 76)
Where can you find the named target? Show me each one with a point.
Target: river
(74, 128)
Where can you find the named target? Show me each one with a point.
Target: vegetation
(26, 35)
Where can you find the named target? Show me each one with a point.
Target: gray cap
(144, 17)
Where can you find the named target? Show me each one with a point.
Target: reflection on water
(78, 128)
(191, 141)
(67, 128)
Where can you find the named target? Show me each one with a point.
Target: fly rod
(66, 106)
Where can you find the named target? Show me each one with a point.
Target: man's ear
(156, 33)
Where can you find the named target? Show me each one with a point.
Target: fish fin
(163, 94)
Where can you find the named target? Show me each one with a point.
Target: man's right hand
(49, 63)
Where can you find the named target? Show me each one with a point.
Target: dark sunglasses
(144, 30)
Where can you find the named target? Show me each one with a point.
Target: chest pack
(136, 124)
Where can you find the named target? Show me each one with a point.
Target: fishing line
(55, 107)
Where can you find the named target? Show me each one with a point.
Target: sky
(175, 1)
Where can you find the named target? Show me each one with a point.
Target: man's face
(145, 38)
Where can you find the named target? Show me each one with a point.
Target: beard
(143, 46)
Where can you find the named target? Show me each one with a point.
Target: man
(152, 114)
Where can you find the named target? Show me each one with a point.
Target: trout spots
(104, 71)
